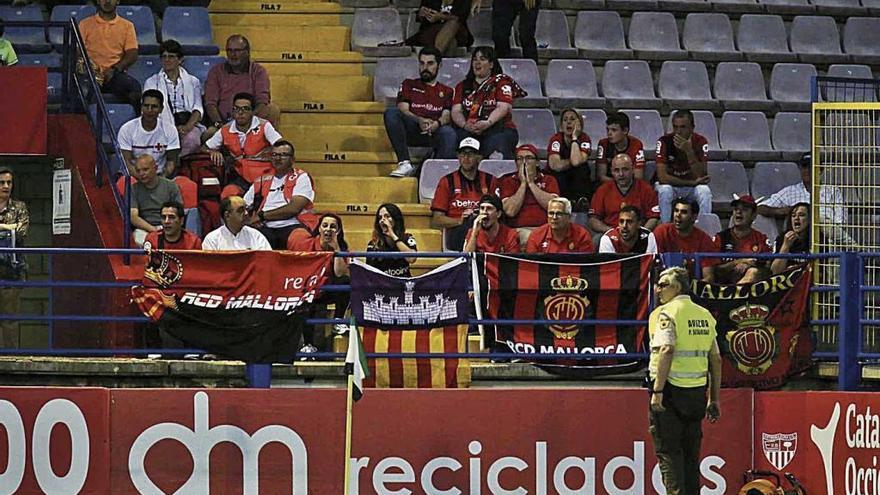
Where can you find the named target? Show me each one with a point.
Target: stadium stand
(790, 86)
(594, 126)
(728, 178)
(25, 39)
(191, 27)
(816, 39)
(377, 32)
(709, 223)
(709, 37)
(599, 35)
(145, 67)
(390, 72)
(535, 126)
(525, 72)
(770, 177)
(740, 86)
(791, 134)
(552, 35)
(144, 26)
(861, 38)
(654, 36)
(628, 84)
(432, 172)
(685, 85)
(572, 83)
(61, 13)
(762, 38)
(647, 126)
(498, 168)
(746, 136)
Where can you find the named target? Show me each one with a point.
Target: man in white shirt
(629, 236)
(234, 235)
(149, 135)
(280, 199)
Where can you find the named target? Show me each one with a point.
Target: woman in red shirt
(482, 105)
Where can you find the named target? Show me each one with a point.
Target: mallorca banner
(239, 305)
(568, 287)
(427, 314)
(762, 329)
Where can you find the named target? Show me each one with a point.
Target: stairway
(326, 96)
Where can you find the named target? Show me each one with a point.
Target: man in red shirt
(681, 236)
(458, 194)
(172, 235)
(487, 234)
(560, 235)
(741, 238)
(625, 190)
(629, 236)
(619, 141)
(682, 166)
(525, 194)
(422, 114)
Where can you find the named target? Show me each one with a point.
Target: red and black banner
(763, 328)
(239, 305)
(568, 287)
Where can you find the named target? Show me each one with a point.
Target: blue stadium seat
(25, 39)
(572, 83)
(791, 134)
(432, 172)
(63, 13)
(654, 36)
(816, 39)
(685, 85)
(191, 27)
(144, 26)
(378, 33)
(525, 73)
(740, 86)
(628, 84)
(144, 67)
(199, 66)
(746, 136)
(535, 126)
(48, 60)
(762, 38)
(119, 113)
(390, 72)
(598, 35)
(709, 37)
(790, 86)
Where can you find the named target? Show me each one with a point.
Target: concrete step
(366, 190)
(349, 169)
(427, 239)
(382, 157)
(289, 55)
(339, 88)
(362, 216)
(300, 39)
(328, 118)
(336, 139)
(313, 69)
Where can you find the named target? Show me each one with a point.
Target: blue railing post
(258, 375)
(673, 259)
(849, 371)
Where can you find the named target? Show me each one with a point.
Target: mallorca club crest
(163, 268)
(568, 303)
(779, 448)
(753, 342)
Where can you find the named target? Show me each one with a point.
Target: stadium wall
(95, 222)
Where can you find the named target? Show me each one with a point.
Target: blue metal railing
(849, 355)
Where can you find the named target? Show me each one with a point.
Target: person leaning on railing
(14, 224)
(795, 240)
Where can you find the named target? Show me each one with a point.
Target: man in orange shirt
(560, 235)
(487, 234)
(681, 236)
(112, 46)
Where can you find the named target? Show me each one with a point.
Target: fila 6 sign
(542, 442)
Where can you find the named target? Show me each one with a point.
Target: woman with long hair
(795, 240)
(482, 106)
(389, 235)
(568, 153)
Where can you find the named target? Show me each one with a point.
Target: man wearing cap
(458, 194)
(741, 238)
(682, 166)
(559, 234)
(487, 234)
(526, 193)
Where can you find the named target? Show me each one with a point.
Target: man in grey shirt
(148, 195)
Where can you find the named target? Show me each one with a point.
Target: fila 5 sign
(541, 442)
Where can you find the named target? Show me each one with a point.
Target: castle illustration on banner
(425, 312)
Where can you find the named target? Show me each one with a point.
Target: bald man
(234, 235)
(148, 195)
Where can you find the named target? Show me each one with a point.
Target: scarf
(485, 91)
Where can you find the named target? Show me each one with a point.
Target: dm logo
(566, 304)
(779, 448)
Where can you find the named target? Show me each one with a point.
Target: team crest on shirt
(753, 343)
(507, 90)
(568, 303)
(440, 94)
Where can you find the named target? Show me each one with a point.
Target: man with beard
(173, 235)
(559, 234)
(681, 236)
(422, 115)
(624, 190)
(487, 234)
(741, 238)
(629, 236)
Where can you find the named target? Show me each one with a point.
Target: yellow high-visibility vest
(694, 334)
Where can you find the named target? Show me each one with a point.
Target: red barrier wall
(24, 110)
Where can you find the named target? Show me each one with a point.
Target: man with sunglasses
(247, 141)
(684, 362)
(280, 202)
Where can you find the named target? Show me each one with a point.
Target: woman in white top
(183, 97)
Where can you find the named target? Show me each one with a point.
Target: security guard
(684, 357)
